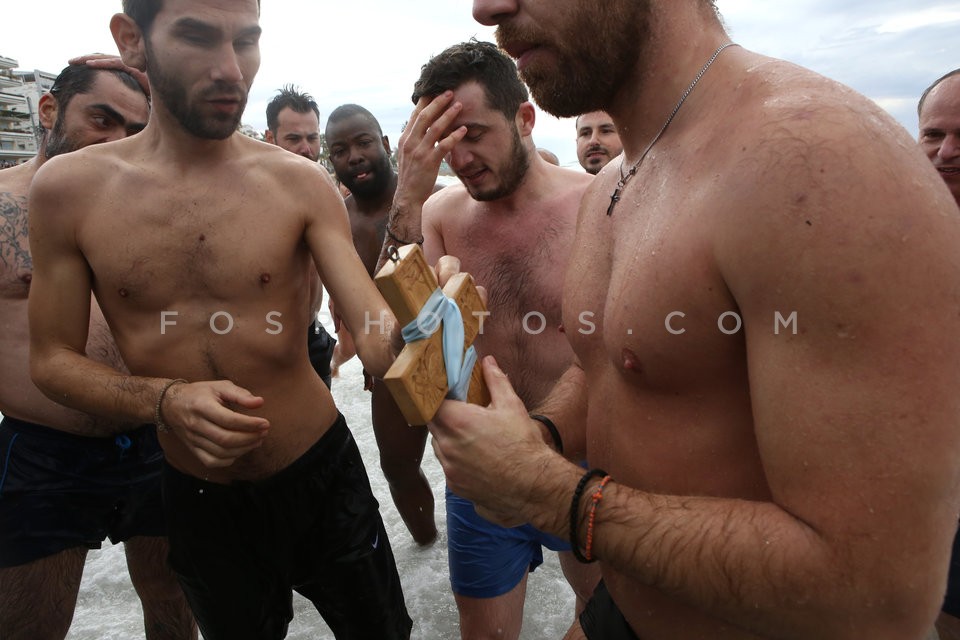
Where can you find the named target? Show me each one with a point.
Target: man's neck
(684, 42)
(379, 204)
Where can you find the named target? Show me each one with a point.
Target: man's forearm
(566, 408)
(749, 563)
(375, 349)
(77, 382)
(404, 226)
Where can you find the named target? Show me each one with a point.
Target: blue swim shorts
(487, 560)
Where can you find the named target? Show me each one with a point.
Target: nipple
(123, 293)
(26, 278)
(630, 361)
(264, 278)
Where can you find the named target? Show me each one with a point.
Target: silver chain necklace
(615, 196)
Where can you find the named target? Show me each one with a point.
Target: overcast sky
(370, 51)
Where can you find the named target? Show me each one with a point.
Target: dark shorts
(320, 346)
(487, 560)
(240, 550)
(951, 603)
(601, 618)
(59, 490)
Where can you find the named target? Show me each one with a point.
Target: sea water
(108, 609)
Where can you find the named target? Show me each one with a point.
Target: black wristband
(400, 241)
(575, 512)
(552, 428)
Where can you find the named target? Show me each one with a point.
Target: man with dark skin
(71, 479)
(264, 488)
(763, 302)
(360, 155)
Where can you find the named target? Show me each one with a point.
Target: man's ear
(48, 111)
(268, 137)
(129, 41)
(526, 118)
(386, 145)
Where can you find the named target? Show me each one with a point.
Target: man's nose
(492, 12)
(950, 149)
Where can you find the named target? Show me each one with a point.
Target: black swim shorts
(320, 346)
(59, 490)
(240, 550)
(951, 602)
(601, 618)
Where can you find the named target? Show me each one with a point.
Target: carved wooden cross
(417, 379)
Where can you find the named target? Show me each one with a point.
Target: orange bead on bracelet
(596, 498)
(575, 511)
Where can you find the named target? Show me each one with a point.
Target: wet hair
(923, 98)
(289, 97)
(477, 61)
(79, 78)
(345, 111)
(144, 12)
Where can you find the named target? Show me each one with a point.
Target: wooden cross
(417, 379)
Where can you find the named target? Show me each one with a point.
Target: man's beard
(585, 81)
(381, 171)
(174, 97)
(58, 142)
(511, 174)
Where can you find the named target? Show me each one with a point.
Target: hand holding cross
(418, 379)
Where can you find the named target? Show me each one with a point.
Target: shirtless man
(293, 123)
(938, 115)
(66, 472)
(939, 122)
(264, 489)
(511, 223)
(773, 476)
(597, 141)
(360, 155)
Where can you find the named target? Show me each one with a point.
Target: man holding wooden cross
(511, 222)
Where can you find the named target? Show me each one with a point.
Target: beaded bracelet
(162, 426)
(552, 428)
(575, 512)
(596, 497)
(391, 235)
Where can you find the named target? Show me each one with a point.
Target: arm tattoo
(14, 247)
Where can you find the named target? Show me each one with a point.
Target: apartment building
(18, 139)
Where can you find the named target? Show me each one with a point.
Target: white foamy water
(108, 608)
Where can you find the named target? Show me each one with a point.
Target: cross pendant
(614, 199)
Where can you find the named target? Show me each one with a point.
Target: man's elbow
(43, 374)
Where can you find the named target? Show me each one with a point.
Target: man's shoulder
(454, 194)
(15, 181)
(565, 178)
(780, 102)
(76, 169)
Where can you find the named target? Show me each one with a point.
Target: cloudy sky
(370, 51)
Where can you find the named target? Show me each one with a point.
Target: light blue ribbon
(459, 364)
